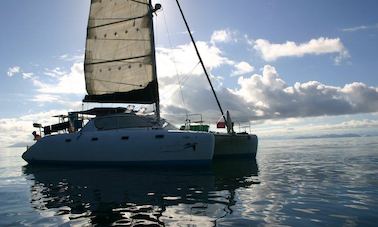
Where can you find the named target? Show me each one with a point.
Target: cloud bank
(271, 52)
(261, 96)
(273, 98)
(258, 96)
(268, 96)
(18, 130)
(71, 82)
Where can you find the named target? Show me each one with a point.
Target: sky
(281, 67)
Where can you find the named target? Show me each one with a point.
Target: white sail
(119, 58)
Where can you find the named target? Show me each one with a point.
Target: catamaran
(120, 67)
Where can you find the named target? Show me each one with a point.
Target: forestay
(119, 57)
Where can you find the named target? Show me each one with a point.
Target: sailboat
(120, 67)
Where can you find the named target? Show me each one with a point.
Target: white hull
(233, 145)
(123, 146)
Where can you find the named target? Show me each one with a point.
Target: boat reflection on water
(132, 196)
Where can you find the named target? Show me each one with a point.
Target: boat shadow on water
(136, 195)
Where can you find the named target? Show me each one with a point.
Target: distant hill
(329, 136)
(20, 144)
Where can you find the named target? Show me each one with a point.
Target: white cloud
(222, 36)
(18, 130)
(14, 70)
(271, 95)
(185, 60)
(360, 28)
(242, 68)
(45, 98)
(27, 75)
(71, 82)
(70, 57)
(268, 96)
(365, 123)
(61, 84)
(257, 97)
(271, 52)
(189, 73)
(54, 73)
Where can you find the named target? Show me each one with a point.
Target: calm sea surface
(312, 182)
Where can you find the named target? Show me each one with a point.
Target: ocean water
(312, 182)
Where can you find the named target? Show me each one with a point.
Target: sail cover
(119, 57)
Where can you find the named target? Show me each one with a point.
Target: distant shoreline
(329, 136)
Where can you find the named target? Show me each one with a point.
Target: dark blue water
(313, 182)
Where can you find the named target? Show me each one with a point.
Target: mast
(202, 64)
(153, 54)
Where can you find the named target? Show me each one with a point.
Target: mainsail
(120, 58)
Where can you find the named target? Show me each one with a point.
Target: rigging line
(117, 22)
(175, 65)
(116, 82)
(184, 79)
(123, 63)
(109, 18)
(144, 3)
(141, 40)
(200, 59)
(120, 62)
(116, 60)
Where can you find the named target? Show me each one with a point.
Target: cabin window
(133, 122)
(106, 123)
(117, 122)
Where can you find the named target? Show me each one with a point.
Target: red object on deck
(221, 124)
